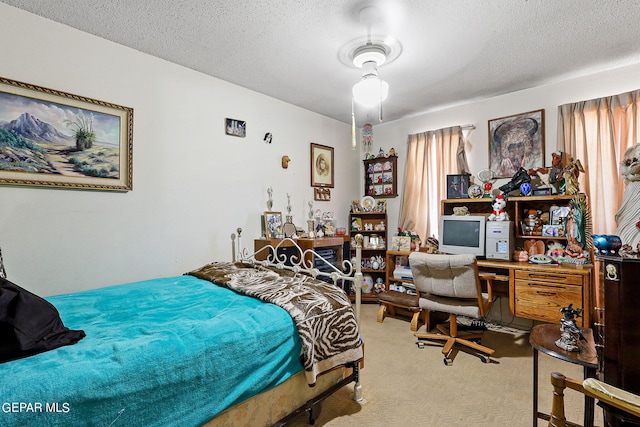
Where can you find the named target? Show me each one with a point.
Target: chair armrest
(489, 278)
(614, 396)
(606, 393)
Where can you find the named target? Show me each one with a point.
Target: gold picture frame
(273, 225)
(321, 166)
(57, 139)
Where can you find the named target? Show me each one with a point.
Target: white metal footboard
(300, 262)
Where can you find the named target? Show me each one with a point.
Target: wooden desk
(543, 338)
(538, 291)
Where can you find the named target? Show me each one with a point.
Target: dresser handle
(546, 277)
(598, 324)
(546, 294)
(598, 308)
(599, 345)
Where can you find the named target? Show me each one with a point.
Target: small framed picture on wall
(457, 186)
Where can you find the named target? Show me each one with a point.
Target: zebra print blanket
(322, 312)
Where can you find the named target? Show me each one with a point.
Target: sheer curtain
(598, 132)
(431, 156)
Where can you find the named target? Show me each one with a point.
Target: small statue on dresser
(570, 333)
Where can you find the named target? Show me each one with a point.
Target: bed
(232, 343)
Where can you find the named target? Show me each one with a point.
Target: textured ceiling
(453, 51)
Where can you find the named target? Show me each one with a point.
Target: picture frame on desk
(400, 243)
(273, 225)
(457, 186)
(558, 214)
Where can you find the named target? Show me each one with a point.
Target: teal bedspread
(170, 351)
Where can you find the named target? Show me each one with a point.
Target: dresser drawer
(543, 301)
(549, 277)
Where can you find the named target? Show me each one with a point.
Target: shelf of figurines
(380, 175)
(371, 242)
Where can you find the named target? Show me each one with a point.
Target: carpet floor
(404, 385)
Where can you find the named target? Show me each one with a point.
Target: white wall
(193, 185)
(548, 97)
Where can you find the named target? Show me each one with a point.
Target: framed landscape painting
(50, 138)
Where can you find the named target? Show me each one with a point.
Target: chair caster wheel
(447, 361)
(485, 359)
(420, 344)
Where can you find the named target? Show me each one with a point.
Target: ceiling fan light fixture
(369, 53)
(371, 90)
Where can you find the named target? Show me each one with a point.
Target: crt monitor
(462, 234)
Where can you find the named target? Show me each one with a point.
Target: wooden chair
(451, 284)
(605, 393)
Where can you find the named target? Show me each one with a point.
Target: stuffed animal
(499, 213)
(460, 210)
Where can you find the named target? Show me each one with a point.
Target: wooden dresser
(538, 291)
(617, 329)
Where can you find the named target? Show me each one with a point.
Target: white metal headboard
(300, 262)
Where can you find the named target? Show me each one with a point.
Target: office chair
(607, 394)
(451, 284)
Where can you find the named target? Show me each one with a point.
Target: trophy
(487, 177)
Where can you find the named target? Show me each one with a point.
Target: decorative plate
(474, 191)
(386, 166)
(486, 175)
(368, 203)
(540, 259)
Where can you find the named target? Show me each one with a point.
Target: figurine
(570, 333)
(285, 162)
(270, 200)
(367, 136)
(552, 176)
(499, 213)
(531, 223)
(570, 174)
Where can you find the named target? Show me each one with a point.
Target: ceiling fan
(368, 55)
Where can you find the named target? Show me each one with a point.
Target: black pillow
(29, 324)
